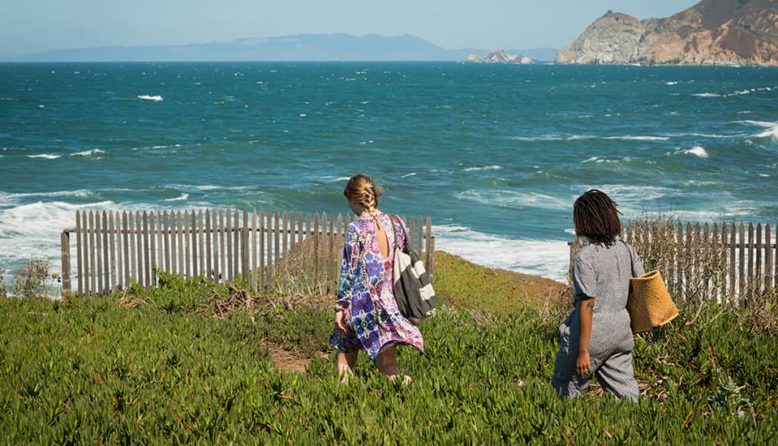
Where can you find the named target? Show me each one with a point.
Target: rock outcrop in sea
(713, 32)
(500, 57)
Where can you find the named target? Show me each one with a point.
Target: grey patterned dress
(600, 271)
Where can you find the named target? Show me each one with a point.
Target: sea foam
(46, 156)
(147, 97)
(547, 258)
(514, 199)
(88, 153)
(698, 151)
(32, 230)
(183, 197)
(482, 168)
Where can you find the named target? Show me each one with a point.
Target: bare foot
(344, 375)
(405, 380)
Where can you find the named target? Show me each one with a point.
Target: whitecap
(514, 199)
(88, 153)
(671, 83)
(741, 92)
(549, 137)
(46, 156)
(638, 138)
(697, 151)
(482, 168)
(771, 132)
(146, 97)
(32, 230)
(407, 175)
(181, 197)
(707, 95)
(627, 195)
(546, 258)
(7, 198)
(765, 124)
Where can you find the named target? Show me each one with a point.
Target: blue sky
(36, 25)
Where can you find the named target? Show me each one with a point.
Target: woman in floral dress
(366, 313)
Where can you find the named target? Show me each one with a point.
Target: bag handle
(396, 221)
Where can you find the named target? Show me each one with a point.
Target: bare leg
(387, 364)
(346, 363)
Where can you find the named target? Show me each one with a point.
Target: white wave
(46, 156)
(514, 199)
(765, 124)
(698, 151)
(208, 187)
(598, 160)
(32, 230)
(741, 92)
(556, 137)
(671, 83)
(181, 197)
(88, 153)
(710, 135)
(627, 195)
(771, 132)
(13, 198)
(547, 258)
(549, 137)
(638, 138)
(580, 137)
(707, 95)
(407, 175)
(147, 97)
(482, 168)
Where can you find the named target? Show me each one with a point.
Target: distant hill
(302, 47)
(712, 32)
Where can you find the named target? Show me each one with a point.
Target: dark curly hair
(596, 216)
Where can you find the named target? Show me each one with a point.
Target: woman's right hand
(339, 322)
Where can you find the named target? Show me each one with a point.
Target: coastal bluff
(713, 32)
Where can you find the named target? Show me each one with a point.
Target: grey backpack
(412, 285)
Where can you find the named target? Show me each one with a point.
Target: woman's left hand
(339, 322)
(583, 364)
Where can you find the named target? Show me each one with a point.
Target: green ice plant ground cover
(156, 366)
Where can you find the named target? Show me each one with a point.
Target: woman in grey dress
(596, 338)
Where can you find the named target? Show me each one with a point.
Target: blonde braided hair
(362, 190)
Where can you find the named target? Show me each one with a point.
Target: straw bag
(412, 286)
(649, 303)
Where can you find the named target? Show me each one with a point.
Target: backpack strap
(396, 222)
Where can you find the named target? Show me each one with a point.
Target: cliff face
(713, 32)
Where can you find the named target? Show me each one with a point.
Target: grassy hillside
(193, 363)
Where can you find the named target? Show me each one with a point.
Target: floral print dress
(366, 291)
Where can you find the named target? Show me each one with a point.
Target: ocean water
(496, 154)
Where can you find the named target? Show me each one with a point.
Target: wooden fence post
(65, 252)
(244, 250)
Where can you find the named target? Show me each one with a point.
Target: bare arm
(582, 364)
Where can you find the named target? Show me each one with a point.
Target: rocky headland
(713, 32)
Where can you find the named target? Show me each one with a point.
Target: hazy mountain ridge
(712, 32)
(302, 47)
